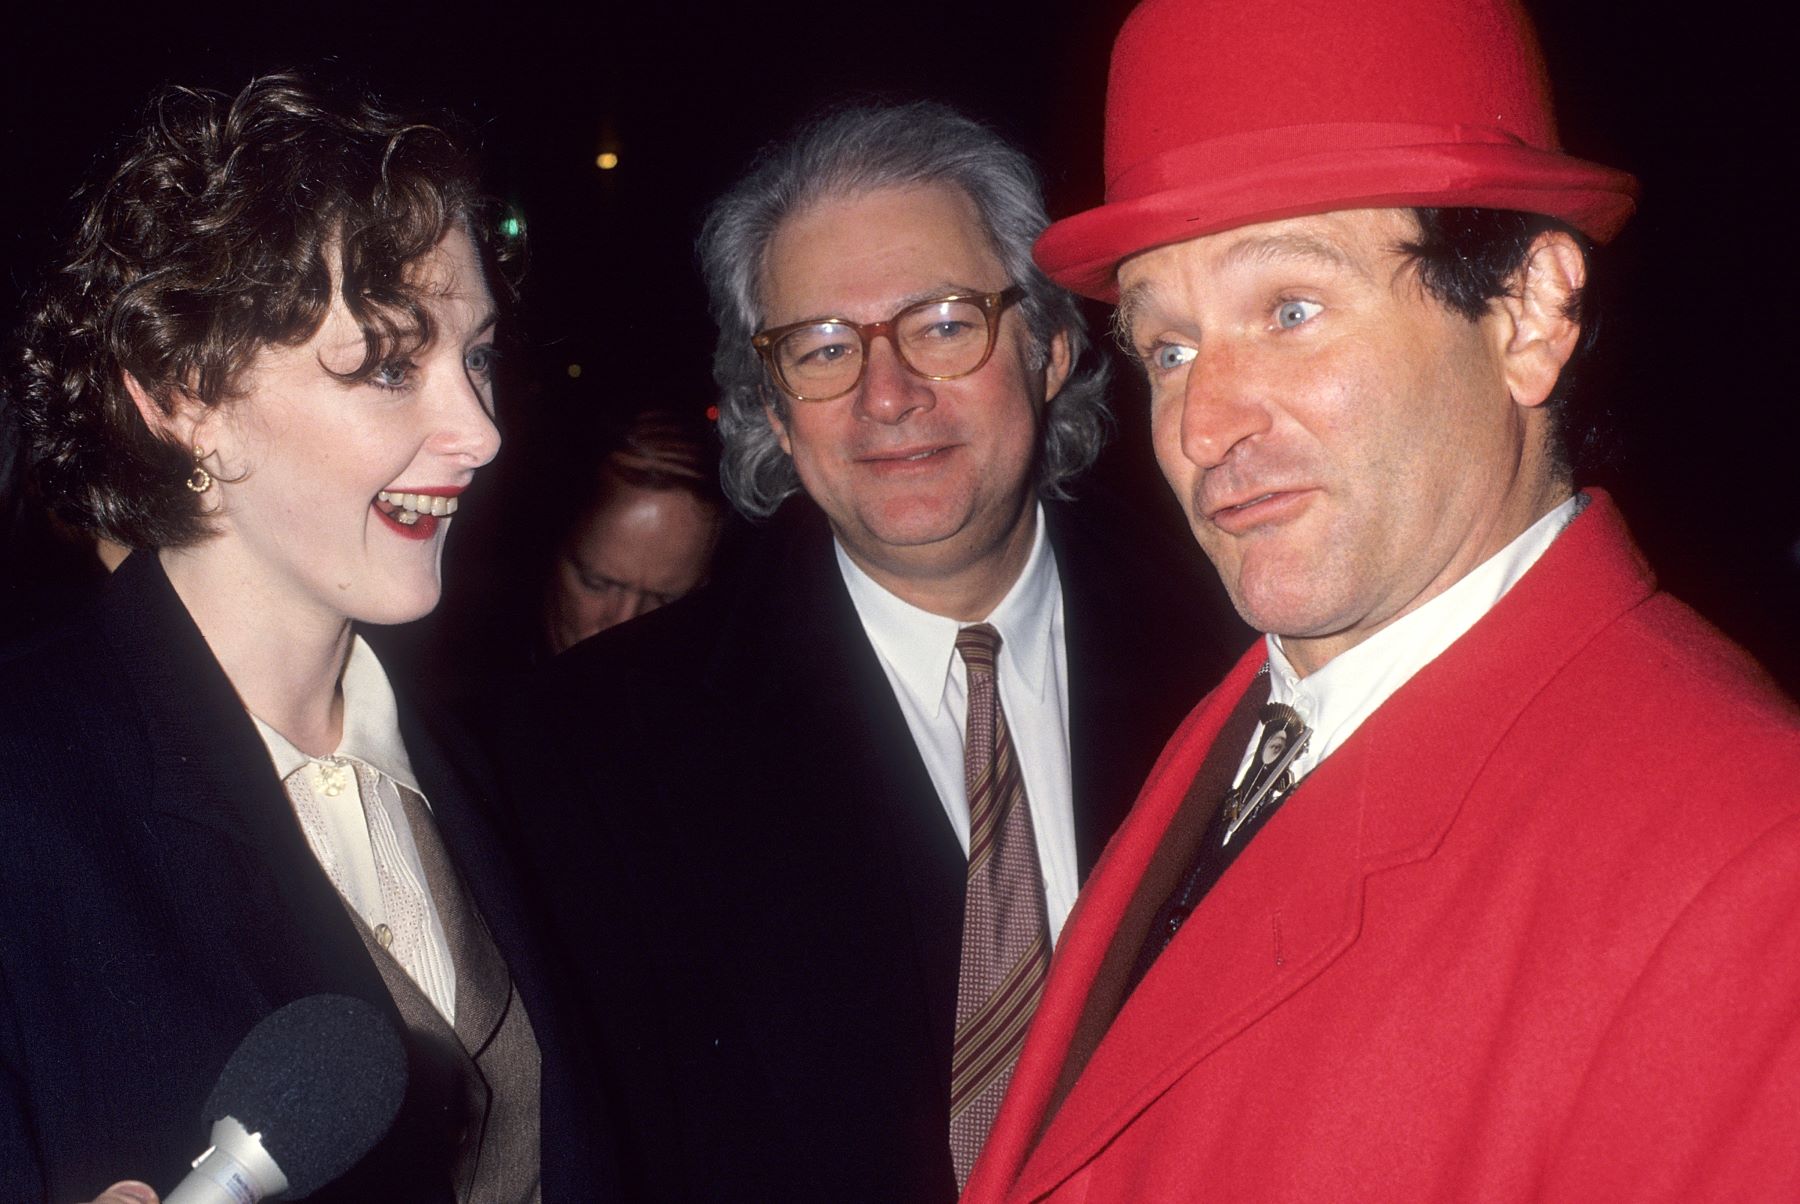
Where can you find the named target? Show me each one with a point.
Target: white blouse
(349, 806)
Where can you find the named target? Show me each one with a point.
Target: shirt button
(384, 936)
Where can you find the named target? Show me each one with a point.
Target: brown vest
(480, 1077)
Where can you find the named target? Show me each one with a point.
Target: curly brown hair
(224, 225)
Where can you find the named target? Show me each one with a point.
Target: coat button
(384, 936)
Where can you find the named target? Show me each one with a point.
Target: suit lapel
(1100, 690)
(1147, 635)
(1287, 909)
(1292, 903)
(854, 804)
(1079, 956)
(235, 859)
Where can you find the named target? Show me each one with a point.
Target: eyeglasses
(939, 339)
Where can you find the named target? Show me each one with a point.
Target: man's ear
(1539, 333)
(1056, 372)
(773, 414)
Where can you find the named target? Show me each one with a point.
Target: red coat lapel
(1089, 931)
(1291, 904)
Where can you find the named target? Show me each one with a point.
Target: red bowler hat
(1221, 113)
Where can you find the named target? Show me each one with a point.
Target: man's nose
(889, 392)
(1222, 404)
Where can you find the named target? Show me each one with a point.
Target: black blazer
(158, 898)
(753, 878)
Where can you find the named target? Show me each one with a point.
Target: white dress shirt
(917, 650)
(356, 826)
(1336, 699)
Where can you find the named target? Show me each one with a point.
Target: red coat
(1532, 933)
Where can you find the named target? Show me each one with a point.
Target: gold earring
(199, 480)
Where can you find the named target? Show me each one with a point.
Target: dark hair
(1468, 258)
(226, 224)
(844, 154)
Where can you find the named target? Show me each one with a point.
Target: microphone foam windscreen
(321, 1079)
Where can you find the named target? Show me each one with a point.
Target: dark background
(1694, 349)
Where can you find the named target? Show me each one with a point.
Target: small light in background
(606, 160)
(574, 371)
(712, 413)
(512, 225)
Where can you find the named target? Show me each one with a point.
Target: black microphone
(309, 1091)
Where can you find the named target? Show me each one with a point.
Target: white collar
(371, 723)
(921, 646)
(1336, 698)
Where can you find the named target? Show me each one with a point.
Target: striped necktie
(1006, 937)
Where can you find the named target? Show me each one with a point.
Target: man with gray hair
(843, 801)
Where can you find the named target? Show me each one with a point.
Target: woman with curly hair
(266, 364)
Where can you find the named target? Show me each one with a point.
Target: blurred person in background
(645, 533)
(265, 364)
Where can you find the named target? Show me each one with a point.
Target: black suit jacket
(158, 898)
(753, 877)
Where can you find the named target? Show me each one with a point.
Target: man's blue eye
(947, 329)
(1170, 356)
(1290, 314)
(818, 346)
(830, 353)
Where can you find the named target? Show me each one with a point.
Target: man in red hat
(1479, 876)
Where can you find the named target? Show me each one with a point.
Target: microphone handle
(235, 1170)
